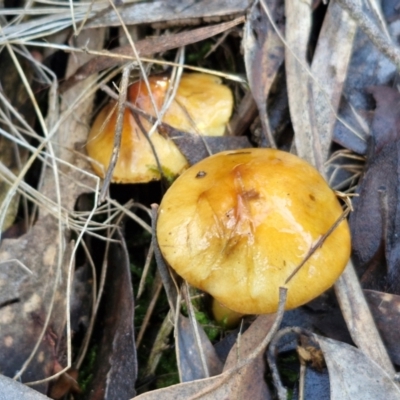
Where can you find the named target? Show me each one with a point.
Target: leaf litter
(328, 76)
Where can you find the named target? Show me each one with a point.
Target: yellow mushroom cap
(201, 105)
(238, 223)
(136, 161)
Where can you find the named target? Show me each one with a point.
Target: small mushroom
(238, 224)
(202, 105)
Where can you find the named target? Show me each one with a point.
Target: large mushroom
(202, 105)
(239, 223)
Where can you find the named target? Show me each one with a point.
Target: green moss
(289, 365)
(167, 371)
(166, 172)
(86, 371)
(202, 317)
(224, 323)
(198, 56)
(213, 332)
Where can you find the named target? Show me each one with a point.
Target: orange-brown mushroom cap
(238, 223)
(202, 105)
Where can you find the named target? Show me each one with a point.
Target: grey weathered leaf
(22, 321)
(329, 68)
(355, 376)
(13, 278)
(263, 55)
(13, 390)
(195, 147)
(174, 12)
(298, 30)
(368, 67)
(190, 362)
(386, 310)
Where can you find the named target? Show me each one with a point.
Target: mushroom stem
(224, 316)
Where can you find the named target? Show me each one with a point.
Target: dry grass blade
(51, 21)
(55, 181)
(158, 286)
(64, 178)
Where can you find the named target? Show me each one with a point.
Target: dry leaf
(329, 69)
(115, 373)
(195, 147)
(263, 55)
(190, 363)
(386, 310)
(22, 321)
(174, 12)
(316, 385)
(353, 375)
(375, 239)
(13, 390)
(298, 30)
(385, 127)
(240, 379)
(368, 67)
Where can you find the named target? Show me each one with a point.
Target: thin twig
(149, 258)
(272, 362)
(118, 131)
(150, 309)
